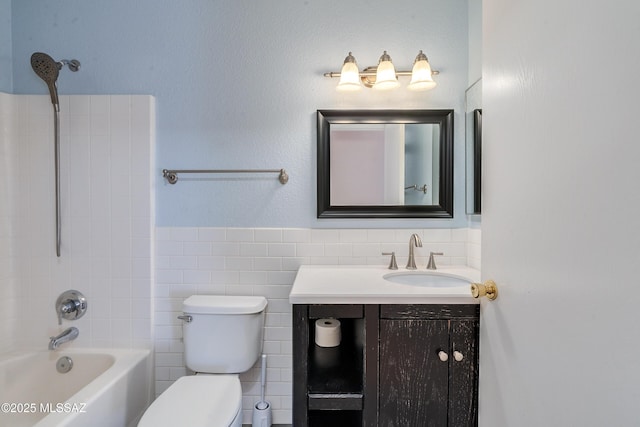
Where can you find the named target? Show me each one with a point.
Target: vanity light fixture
(384, 76)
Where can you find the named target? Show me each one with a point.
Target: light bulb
(349, 76)
(421, 74)
(386, 74)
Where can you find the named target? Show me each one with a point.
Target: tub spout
(68, 334)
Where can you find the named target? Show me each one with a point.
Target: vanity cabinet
(397, 365)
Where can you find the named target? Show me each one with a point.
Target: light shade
(349, 76)
(421, 74)
(386, 74)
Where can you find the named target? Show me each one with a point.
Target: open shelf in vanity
(337, 370)
(333, 378)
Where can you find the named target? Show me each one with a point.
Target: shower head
(47, 69)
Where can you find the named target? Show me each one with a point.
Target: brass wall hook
(488, 289)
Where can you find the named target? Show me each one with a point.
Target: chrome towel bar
(171, 175)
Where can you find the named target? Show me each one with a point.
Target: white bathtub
(105, 388)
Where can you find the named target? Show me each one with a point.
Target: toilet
(222, 337)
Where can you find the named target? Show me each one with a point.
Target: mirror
(473, 137)
(477, 160)
(385, 164)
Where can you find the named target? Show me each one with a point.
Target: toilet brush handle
(263, 378)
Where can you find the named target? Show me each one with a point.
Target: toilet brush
(262, 409)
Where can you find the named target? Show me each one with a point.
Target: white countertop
(354, 284)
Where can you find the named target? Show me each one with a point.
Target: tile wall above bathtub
(264, 261)
(8, 193)
(107, 215)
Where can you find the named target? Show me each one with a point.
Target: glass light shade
(386, 74)
(421, 74)
(349, 78)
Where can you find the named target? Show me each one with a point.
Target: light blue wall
(238, 82)
(475, 40)
(6, 74)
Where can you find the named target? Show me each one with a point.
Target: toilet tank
(223, 333)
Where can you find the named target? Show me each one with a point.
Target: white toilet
(222, 337)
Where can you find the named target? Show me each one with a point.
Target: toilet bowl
(222, 337)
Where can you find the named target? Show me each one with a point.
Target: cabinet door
(413, 380)
(463, 381)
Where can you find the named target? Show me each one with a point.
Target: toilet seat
(197, 401)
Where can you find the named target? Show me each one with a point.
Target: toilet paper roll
(328, 332)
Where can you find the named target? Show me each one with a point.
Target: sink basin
(425, 279)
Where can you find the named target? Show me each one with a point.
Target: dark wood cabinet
(428, 365)
(397, 365)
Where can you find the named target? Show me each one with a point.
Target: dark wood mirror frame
(444, 118)
(477, 160)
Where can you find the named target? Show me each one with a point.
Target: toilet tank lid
(224, 304)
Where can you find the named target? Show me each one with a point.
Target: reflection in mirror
(389, 163)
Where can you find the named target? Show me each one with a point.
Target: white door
(561, 213)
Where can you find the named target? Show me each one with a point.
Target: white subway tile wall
(264, 261)
(9, 290)
(107, 217)
(473, 248)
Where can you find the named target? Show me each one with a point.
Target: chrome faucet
(414, 241)
(68, 334)
(70, 305)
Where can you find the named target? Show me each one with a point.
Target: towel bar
(171, 175)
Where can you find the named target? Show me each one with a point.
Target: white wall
(264, 261)
(107, 218)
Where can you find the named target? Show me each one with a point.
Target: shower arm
(73, 64)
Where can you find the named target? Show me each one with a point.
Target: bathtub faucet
(66, 335)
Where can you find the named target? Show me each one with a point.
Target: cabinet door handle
(458, 356)
(443, 356)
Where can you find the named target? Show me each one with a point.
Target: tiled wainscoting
(264, 261)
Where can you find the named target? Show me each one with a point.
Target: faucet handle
(70, 305)
(431, 265)
(393, 265)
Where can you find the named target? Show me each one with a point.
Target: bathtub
(105, 388)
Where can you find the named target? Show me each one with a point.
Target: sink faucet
(66, 335)
(414, 241)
